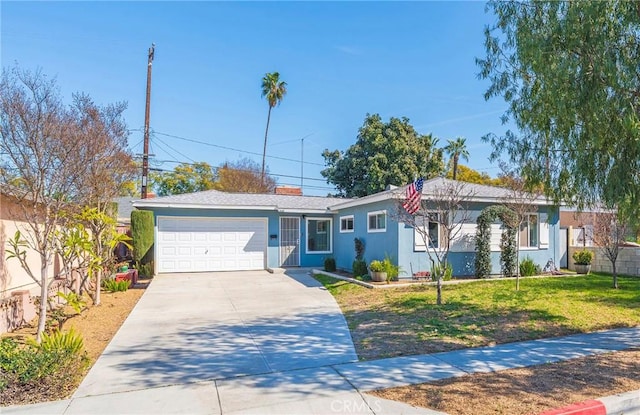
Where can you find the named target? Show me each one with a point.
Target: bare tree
(521, 199)
(108, 166)
(244, 176)
(609, 233)
(440, 220)
(53, 160)
(39, 147)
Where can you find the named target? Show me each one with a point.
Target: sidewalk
(337, 388)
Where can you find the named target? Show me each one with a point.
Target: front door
(289, 242)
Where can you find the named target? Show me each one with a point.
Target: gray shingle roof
(215, 198)
(124, 208)
(431, 187)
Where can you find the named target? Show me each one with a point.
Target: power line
(233, 149)
(235, 168)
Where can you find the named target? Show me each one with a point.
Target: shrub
(359, 268)
(393, 271)
(113, 286)
(446, 271)
(49, 370)
(583, 257)
(529, 268)
(376, 266)
(142, 235)
(330, 264)
(70, 342)
(359, 247)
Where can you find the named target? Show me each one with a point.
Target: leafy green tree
(391, 153)
(569, 74)
(455, 149)
(274, 90)
(185, 178)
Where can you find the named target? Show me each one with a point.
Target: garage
(200, 244)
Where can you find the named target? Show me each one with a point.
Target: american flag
(414, 194)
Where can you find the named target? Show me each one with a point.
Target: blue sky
(341, 60)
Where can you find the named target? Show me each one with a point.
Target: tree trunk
(455, 166)
(99, 249)
(439, 290)
(518, 257)
(264, 148)
(44, 297)
(615, 275)
(96, 299)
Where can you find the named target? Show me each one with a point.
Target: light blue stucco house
(219, 231)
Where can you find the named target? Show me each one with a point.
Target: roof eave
(201, 206)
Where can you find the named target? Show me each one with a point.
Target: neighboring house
(125, 206)
(12, 276)
(218, 231)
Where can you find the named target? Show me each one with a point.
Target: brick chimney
(288, 190)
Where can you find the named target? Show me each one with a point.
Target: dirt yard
(529, 390)
(97, 324)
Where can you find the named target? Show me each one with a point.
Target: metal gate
(289, 242)
(564, 248)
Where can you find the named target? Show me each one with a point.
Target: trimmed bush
(330, 264)
(359, 268)
(528, 268)
(142, 234)
(583, 257)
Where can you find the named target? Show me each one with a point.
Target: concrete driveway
(227, 343)
(210, 326)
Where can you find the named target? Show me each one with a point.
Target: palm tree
(274, 89)
(457, 148)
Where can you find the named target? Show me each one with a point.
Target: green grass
(403, 321)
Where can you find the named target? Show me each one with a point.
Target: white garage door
(208, 244)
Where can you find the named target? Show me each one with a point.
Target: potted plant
(582, 261)
(378, 273)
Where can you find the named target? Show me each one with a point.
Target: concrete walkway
(237, 343)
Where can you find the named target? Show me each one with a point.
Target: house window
(529, 231)
(377, 221)
(346, 223)
(431, 232)
(319, 236)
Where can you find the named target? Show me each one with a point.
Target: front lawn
(406, 321)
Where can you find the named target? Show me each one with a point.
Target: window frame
(353, 224)
(527, 224)
(376, 213)
(326, 232)
(418, 243)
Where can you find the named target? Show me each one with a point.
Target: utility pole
(145, 155)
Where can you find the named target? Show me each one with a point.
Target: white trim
(376, 213)
(330, 235)
(353, 224)
(419, 244)
(530, 247)
(201, 206)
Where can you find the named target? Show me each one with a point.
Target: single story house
(219, 231)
